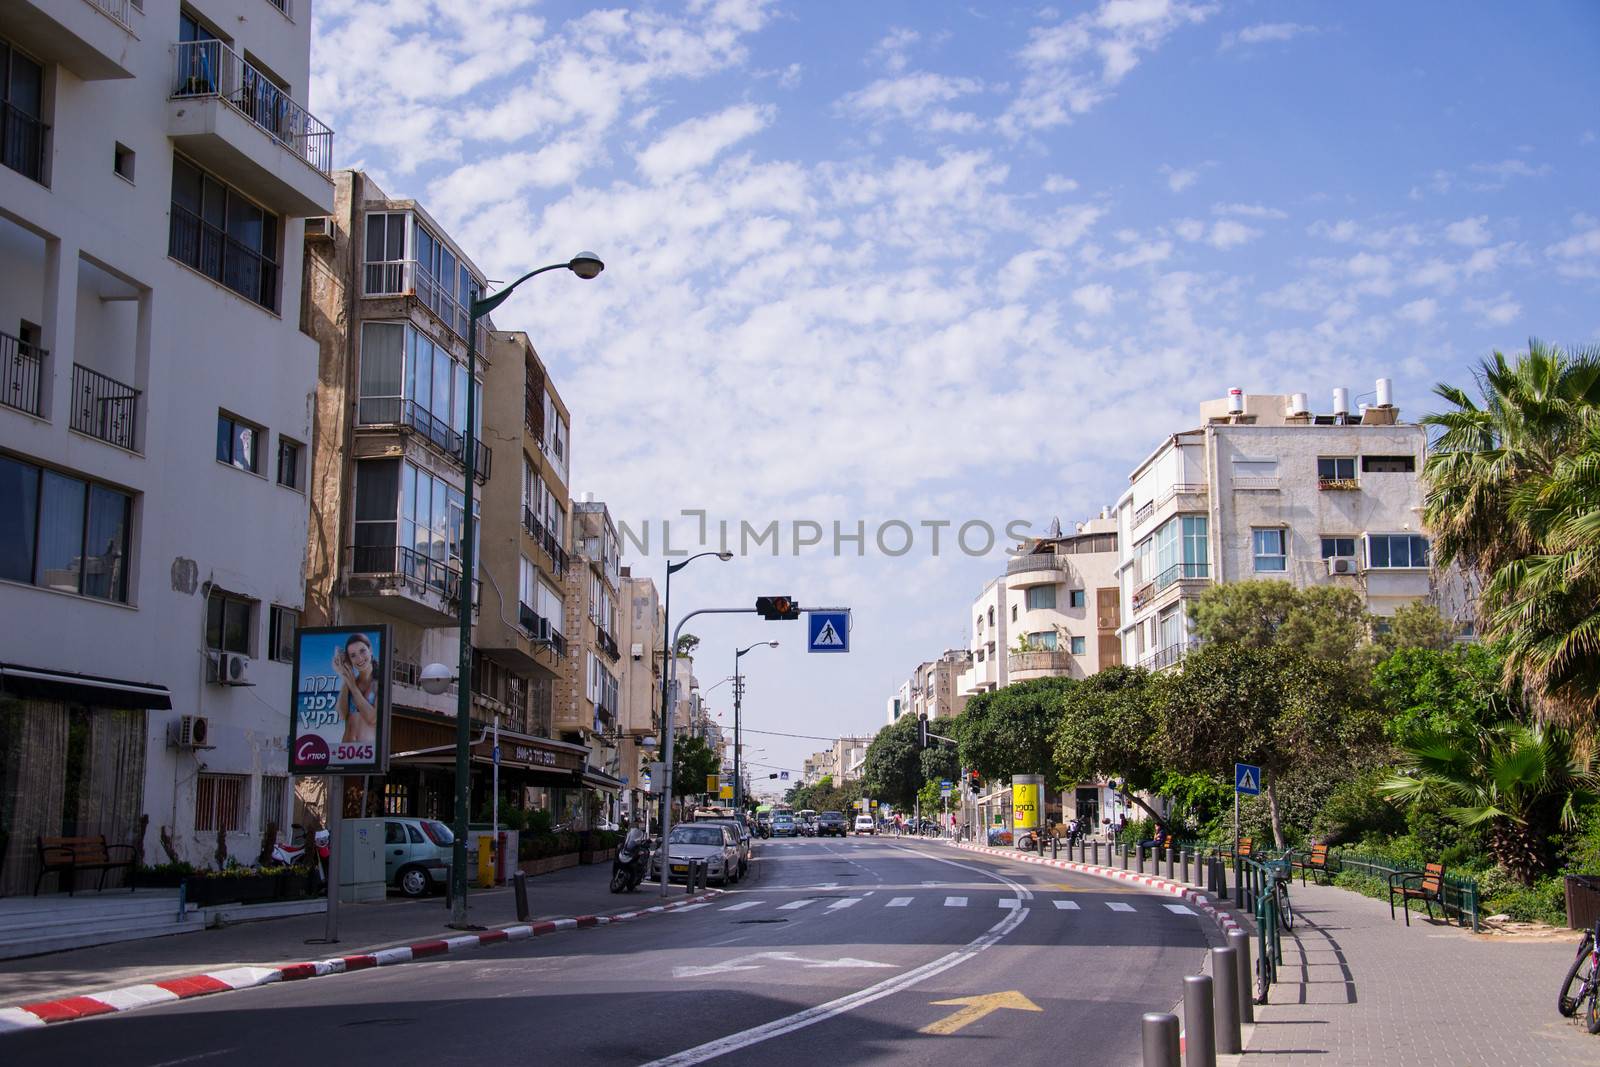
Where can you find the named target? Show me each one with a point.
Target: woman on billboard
(358, 694)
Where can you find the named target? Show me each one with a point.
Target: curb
(65, 1009)
(1225, 922)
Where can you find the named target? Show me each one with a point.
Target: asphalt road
(830, 951)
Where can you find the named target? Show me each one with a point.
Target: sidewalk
(1358, 989)
(363, 928)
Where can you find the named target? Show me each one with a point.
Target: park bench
(1426, 885)
(1317, 861)
(67, 856)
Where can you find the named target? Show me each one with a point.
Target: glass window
(289, 463)
(394, 833)
(19, 516)
(1389, 464)
(228, 622)
(1045, 639)
(105, 556)
(238, 443)
(63, 533)
(1338, 546)
(1270, 553)
(383, 373)
(1194, 546)
(1396, 550)
(281, 625)
(1077, 646)
(1041, 597)
(377, 494)
(61, 514)
(223, 235)
(1013, 613)
(1075, 598)
(1336, 468)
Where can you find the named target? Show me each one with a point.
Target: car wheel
(414, 882)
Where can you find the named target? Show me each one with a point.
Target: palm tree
(1519, 782)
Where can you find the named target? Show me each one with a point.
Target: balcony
(23, 139)
(607, 643)
(1038, 664)
(237, 123)
(1178, 572)
(104, 408)
(1035, 568)
(1164, 658)
(1148, 511)
(408, 278)
(1347, 485)
(218, 256)
(407, 416)
(92, 38)
(546, 540)
(406, 583)
(21, 365)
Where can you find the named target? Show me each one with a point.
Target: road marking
(1117, 905)
(742, 906)
(793, 904)
(971, 1009)
(1010, 902)
(823, 1012)
(1066, 905)
(955, 902)
(754, 961)
(845, 903)
(1179, 909)
(692, 907)
(899, 902)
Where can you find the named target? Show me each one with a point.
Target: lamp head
(436, 679)
(724, 556)
(772, 644)
(586, 265)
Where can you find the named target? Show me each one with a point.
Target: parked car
(783, 825)
(865, 824)
(416, 855)
(808, 826)
(741, 834)
(832, 824)
(712, 842)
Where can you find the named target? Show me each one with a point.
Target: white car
(865, 824)
(712, 842)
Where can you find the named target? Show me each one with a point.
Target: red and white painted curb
(1225, 922)
(105, 1002)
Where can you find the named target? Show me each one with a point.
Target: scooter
(301, 855)
(631, 863)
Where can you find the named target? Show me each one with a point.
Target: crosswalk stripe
(845, 903)
(793, 904)
(899, 902)
(1179, 909)
(955, 902)
(744, 905)
(1067, 905)
(1010, 902)
(692, 907)
(1117, 905)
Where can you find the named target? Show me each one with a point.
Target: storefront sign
(340, 720)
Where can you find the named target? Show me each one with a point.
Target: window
(1336, 468)
(228, 622)
(217, 803)
(1075, 598)
(222, 235)
(274, 800)
(1389, 464)
(407, 379)
(1077, 646)
(979, 624)
(1338, 546)
(63, 533)
(122, 159)
(409, 522)
(991, 616)
(1270, 551)
(1387, 551)
(289, 453)
(239, 443)
(1013, 613)
(1045, 639)
(386, 253)
(21, 98)
(282, 622)
(1041, 597)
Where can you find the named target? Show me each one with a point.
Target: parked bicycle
(1582, 984)
(1281, 877)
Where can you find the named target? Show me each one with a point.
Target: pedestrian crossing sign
(1247, 779)
(828, 631)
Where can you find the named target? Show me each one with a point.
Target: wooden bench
(1426, 885)
(1240, 853)
(1317, 861)
(67, 856)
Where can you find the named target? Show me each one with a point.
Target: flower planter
(548, 864)
(599, 855)
(246, 889)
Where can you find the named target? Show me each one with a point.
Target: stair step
(59, 941)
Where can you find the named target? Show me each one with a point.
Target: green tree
(692, 762)
(1008, 731)
(1430, 690)
(895, 768)
(1106, 727)
(1323, 622)
(1416, 625)
(687, 643)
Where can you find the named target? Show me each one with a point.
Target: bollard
(1139, 849)
(1239, 941)
(450, 895)
(1097, 853)
(1187, 856)
(1055, 847)
(1199, 1026)
(1169, 863)
(519, 884)
(1225, 991)
(1159, 1030)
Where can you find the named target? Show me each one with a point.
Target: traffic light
(776, 608)
(774, 774)
(922, 729)
(975, 783)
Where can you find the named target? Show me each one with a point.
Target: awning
(96, 691)
(603, 781)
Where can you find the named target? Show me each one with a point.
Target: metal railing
(1347, 484)
(103, 407)
(1460, 895)
(1165, 657)
(1180, 571)
(22, 142)
(411, 565)
(1035, 561)
(408, 277)
(211, 68)
(117, 10)
(558, 555)
(1047, 660)
(21, 365)
(607, 643)
(530, 523)
(410, 416)
(1145, 511)
(221, 258)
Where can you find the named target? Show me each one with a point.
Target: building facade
(589, 692)
(155, 419)
(641, 623)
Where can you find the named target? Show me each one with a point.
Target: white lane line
(1179, 909)
(899, 902)
(743, 905)
(955, 902)
(822, 1012)
(1010, 902)
(845, 903)
(793, 904)
(692, 907)
(1066, 905)
(1117, 905)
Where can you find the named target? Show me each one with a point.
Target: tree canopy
(1009, 731)
(1322, 622)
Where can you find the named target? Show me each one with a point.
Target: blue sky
(947, 263)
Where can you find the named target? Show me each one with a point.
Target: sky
(895, 265)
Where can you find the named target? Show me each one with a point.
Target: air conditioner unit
(1341, 565)
(230, 668)
(637, 650)
(319, 227)
(189, 731)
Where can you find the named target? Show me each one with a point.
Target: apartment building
(641, 624)
(1265, 488)
(817, 766)
(588, 694)
(847, 757)
(933, 685)
(155, 398)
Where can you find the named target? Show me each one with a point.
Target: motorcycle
(312, 857)
(631, 863)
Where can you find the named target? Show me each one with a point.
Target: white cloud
(907, 97)
(1419, 311)
(1190, 229)
(892, 49)
(1470, 232)
(1578, 256)
(1225, 234)
(1265, 32)
(1249, 211)
(1497, 176)
(1095, 299)
(1496, 311)
(1179, 179)
(1055, 183)
(696, 142)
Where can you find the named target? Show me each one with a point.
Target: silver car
(741, 834)
(712, 842)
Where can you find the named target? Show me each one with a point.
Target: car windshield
(697, 835)
(831, 816)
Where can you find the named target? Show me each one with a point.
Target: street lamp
(738, 694)
(585, 265)
(667, 724)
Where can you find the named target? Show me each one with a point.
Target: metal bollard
(519, 885)
(1239, 941)
(1055, 847)
(1140, 861)
(1169, 862)
(1097, 853)
(1159, 1033)
(1199, 1024)
(1226, 993)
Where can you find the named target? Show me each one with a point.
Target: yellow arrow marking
(971, 1009)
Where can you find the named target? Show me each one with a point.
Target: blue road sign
(828, 631)
(1246, 779)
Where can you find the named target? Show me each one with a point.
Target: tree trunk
(1519, 849)
(1272, 813)
(1129, 795)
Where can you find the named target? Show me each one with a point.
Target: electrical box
(360, 859)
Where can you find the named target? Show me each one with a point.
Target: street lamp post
(585, 265)
(666, 629)
(738, 695)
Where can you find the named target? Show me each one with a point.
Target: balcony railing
(22, 142)
(104, 407)
(412, 417)
(416, 568)
(1337, 484)
(1145, 512)
(407, 277)
(1047, 660)
(1180, 571)
(20, 367)
(218, 256)
(211, 68)
(1166, 657)
(607, 643)
(117, 10)
(1035, 561)
(534, 527)
(557, 554)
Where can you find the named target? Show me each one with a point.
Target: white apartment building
(1264, 488)
(155, 414)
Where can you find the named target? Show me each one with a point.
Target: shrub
(1545, 901)
(1354, 811)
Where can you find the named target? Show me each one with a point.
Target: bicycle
(1281, 877)
(1587, 979)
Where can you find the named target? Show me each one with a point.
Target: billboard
(1027, 801)
(340, 721)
